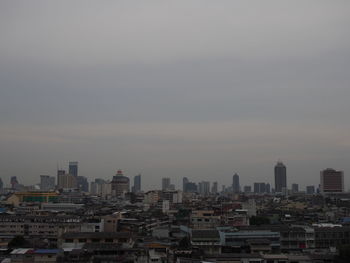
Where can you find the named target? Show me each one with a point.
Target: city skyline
(163, 89)
(167, 183)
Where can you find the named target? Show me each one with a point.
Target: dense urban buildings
(107, 223)
(280, 177)
(331, 181)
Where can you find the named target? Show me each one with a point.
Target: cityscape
(187, 131)
(66, 218)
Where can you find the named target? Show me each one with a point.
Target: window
(69, 240)
(82, 240)
(109, 240)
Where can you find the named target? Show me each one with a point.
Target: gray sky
(200, 89)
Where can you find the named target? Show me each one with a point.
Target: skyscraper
(73, 168)
(185, 181)
(295, 188)
(137, 184)
(332, 181)
(1, 184)
(214, 188)
(120, 184)
(235, 183)
(280, 177)
(82, 183)
(204, 188)
(165, 183)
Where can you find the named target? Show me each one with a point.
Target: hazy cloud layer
(200, 89)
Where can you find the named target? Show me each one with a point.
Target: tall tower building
(280, 177)
(332, 181)
(137, 184)
(214, 188)
(165, 183)
(120, 184)
(235, 183)
(185, 181)
(73, 168)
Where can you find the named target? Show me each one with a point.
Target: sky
(195, 88)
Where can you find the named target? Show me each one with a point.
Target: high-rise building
(137, 184)
(295, 188)
(82, 183)
(185, 181)
(332, 181)
(214, 188)
(191, 187)
(66, 181)
(120, 184)
(165, 183)
(280, 177)
(1, 184)
(310, 189)
(267, 188)
(247, 189)
(204, 188)
(235, 183)
(73, 168)
(259, 188)
(47, 182)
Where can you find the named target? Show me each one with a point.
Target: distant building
(310, 189)
(185, 181)
(280, 177)
(191, 187)
(82, 184)
(73, 168)
(268, 188)
(204, 188)
(1, 184)
(259, 188)
(332, 181)
(165, 183)
(295, 188)
(214, 188)
(137, 184)
(66, 181)
(14, 182)
(247, 189)
(47, 182)
(235, 183)
(120, 184)
(101, 188)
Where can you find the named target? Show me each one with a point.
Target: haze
(201, 89)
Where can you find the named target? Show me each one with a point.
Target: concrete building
(137, 184)
(235, 184)
(204, 188)
(295, 188)
(214, 188)
(247, 189)
(310, 189)
(165, 183)
(331, 181)
(73, 168)
(47, 183)
(67, 181)
(120, 184)
(280, 177)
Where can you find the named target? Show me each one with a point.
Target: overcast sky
(193, 88)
